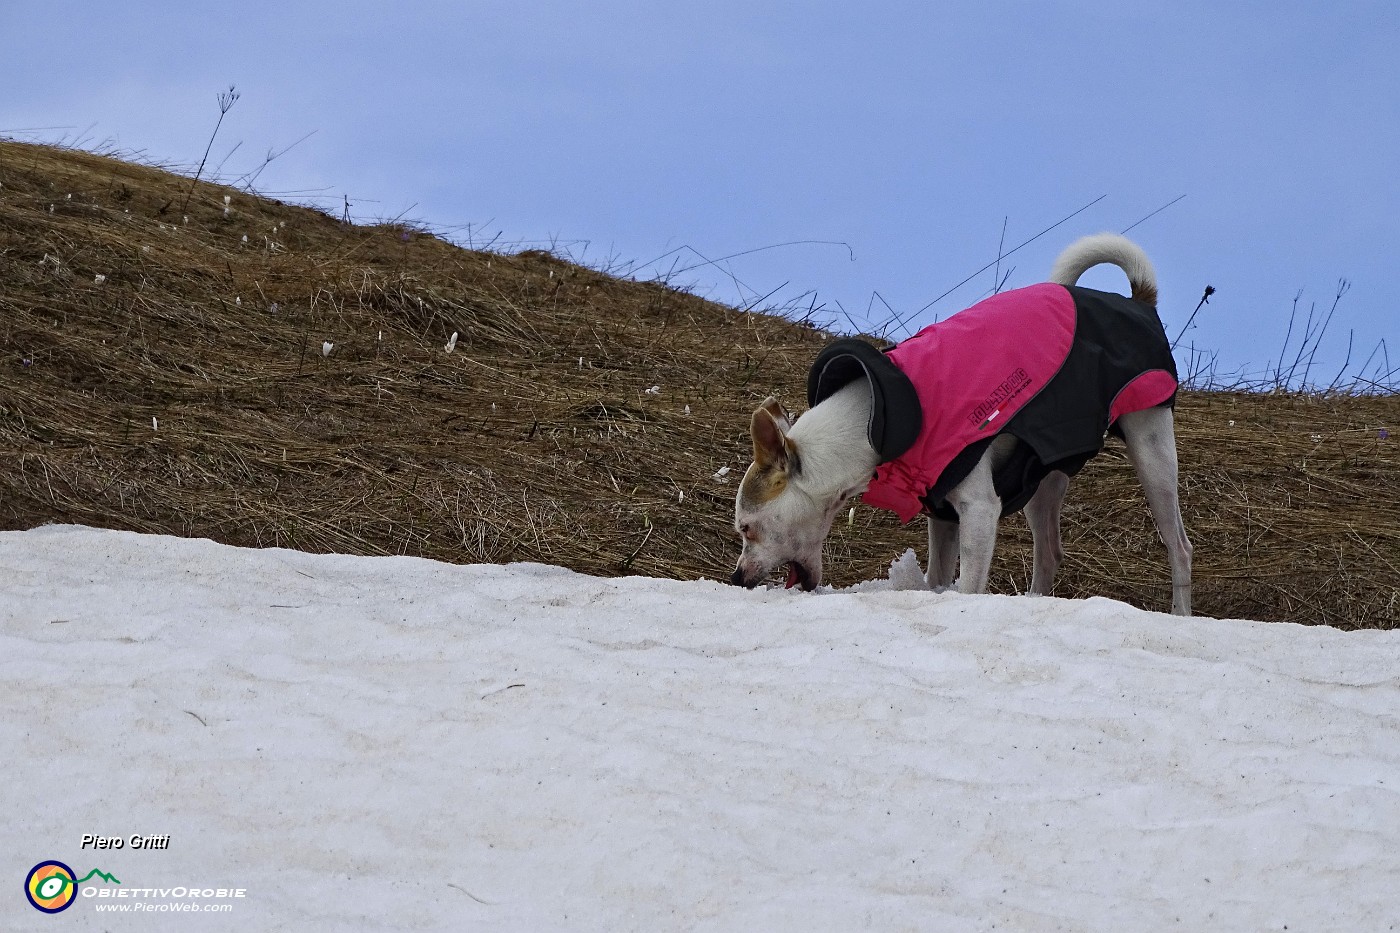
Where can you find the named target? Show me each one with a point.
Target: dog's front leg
(979, 510)
(942, 553)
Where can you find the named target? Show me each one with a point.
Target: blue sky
(906, 132)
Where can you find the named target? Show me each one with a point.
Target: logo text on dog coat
(984, 414)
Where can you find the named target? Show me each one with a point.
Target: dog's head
(780, 514)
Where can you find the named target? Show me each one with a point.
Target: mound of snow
(391, 743)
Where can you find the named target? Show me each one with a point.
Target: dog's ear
(779, 413)
(772, 450)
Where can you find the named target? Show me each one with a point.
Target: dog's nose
(737, 578)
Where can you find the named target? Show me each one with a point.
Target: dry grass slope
(186, 393)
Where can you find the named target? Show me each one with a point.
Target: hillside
(164, 372)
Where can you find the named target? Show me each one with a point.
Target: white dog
(973, 418)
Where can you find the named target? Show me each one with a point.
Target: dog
(973, 418)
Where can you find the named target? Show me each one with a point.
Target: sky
(398, 744)
(861, 159)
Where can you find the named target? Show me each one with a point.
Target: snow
(393, 743)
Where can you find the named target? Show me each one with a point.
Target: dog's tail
(1083, 254)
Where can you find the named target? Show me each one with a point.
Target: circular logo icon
(50, 887)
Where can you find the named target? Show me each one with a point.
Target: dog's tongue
(792, 576)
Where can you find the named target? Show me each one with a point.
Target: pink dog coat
(1054, 367)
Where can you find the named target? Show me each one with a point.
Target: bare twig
(902, 321)
(1205, 297)
(226, 101)
(1153, 214)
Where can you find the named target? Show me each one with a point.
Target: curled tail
(1089, 251)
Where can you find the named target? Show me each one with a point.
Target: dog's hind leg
(1043, 514)
(1151, 441)
(942, 553)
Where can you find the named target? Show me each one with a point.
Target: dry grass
(187, 394)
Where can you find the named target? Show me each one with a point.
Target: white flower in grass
(722, 474)
(326, 348)
(98, 279)
(451, 342)
(654, 390)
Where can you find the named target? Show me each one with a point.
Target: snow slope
(391, 743)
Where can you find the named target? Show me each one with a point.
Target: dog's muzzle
(798, 575)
